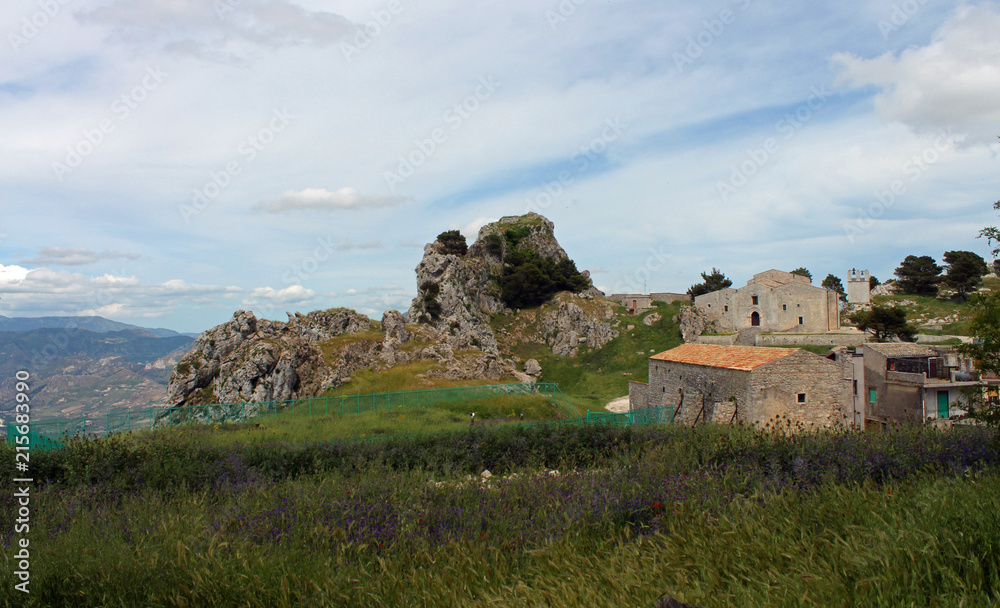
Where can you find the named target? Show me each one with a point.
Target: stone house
(711, 383)
(774, 301)
(913, 383)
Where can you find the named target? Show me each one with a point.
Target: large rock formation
(250, 359)
(693, 323)
(568, 327)
(458, 292)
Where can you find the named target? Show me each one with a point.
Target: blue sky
(168, 163)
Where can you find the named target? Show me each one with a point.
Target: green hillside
(951, 311)
(597, 376)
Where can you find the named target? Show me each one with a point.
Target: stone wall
(688, 387)
(723, 340)
(637, 395)
(669, 298)
(776, 388)
(853, 339)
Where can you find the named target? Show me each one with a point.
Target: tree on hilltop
(713, 281)
(918, 275)
(965, 271)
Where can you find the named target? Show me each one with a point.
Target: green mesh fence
(659, 415)
(47, 435)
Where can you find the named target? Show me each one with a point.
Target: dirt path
(618, 406)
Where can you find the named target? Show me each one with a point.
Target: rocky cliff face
(250, 359)
(693, 323)
(458, 293)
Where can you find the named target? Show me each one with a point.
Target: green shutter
(871, 395)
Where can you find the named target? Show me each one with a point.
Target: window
(800, 320)
(855, 387)
(871, 395)
(784, 307)
(753, 300)
(801, 397)
(726, 309)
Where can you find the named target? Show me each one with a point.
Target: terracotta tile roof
(901, 349)
(743, 358)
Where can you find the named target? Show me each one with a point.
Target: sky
(168, 163)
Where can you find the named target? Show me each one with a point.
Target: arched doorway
(755, 319)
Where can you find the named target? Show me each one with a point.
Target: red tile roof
(744, 358)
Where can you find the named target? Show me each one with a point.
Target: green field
(573, 516)
(397, 422)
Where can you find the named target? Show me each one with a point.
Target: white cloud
(471, 230)
(42, 291)
(321, 199)
(73, 256)
(217, 30)
(952, 83)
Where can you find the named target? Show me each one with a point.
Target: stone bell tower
(858, 287)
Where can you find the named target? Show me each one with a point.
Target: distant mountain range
(94, 324)
(83, 367)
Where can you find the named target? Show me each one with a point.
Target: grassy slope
(442, 417)
(931, 307)
(595, 377)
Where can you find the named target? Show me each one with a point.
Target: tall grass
(713, 516)
(400, 421)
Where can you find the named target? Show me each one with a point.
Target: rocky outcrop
(250, 359)
(692, 322)
(568, 327)
(458, 292)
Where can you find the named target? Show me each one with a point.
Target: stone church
(774, 301)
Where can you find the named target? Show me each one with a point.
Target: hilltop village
(738, 372)
(778, 347)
